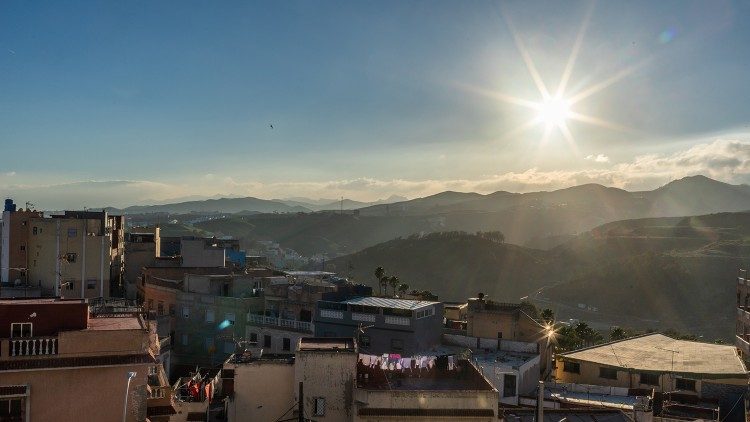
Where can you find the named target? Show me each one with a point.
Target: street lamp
(131, 375)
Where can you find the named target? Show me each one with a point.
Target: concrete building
(79, 254)
(142, 246)
(742, 331)
(390, 325)
(655, 361)
(59, 362)
(495, 322)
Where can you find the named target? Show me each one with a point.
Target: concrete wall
(589, 374)
(410, 399)
(277, 338)
(75, 394)
(263, 391)
(490, 343)
(329, 375)
(195, 254)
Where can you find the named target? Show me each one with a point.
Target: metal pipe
(131, 375)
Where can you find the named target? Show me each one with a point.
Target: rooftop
(659, 353)
(40, 301)
(327, 344)
(569, 415)
(385, 302)
(104, 323)
(467, 378)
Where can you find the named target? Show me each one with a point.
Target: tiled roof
(386, 302)
(9, 365)
(434, 413)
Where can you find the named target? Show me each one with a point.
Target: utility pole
(301, 405)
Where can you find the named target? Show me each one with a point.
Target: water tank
(9, 205)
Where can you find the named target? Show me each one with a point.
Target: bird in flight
(270, 125)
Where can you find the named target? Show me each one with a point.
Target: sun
(554, 111)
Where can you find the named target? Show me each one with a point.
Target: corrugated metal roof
(385, 302)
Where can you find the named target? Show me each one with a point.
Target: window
(70, 257)
(20, 329)
(209, 315)
(72, 232)
(397, 345)
(509, 385)
(649, 379)
(287, 344)
(23, 247)
(12, 409)
(254, 337)
(70, 285)
(171, 309)
(266, 341)
(424, 313)
(320, 406)
(608, 373)
(184, 339)
(572, 367)
(186, 312)
(685, 384)
(229, 317)
(364, 341)
(34, 230)
(91, 284)
(160, 308)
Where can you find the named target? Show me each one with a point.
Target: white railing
(397, 320)
(356, 316)
(33, 346)
(280, 322)
(743, 345)
(329, 313)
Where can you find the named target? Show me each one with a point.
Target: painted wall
(409, 399)
(263, 391)
(329, 375)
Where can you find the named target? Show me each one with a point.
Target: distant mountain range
(673, 272)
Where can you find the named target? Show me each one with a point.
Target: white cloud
(600, 158)
(723, 159)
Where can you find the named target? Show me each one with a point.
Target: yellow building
(76, 255)
(655, 361)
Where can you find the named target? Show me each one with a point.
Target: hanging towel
(405, 363)
(450, 363)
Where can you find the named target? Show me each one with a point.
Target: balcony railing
(33, 346)
(397, 320)
(330, 313)
(356, 316)
(742, 344)
(280, 322)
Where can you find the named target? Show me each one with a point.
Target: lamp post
(131, 375)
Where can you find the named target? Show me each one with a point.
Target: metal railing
(329, 313)
(280, 322)
(33, 346)
(356, 316)
(397, 320)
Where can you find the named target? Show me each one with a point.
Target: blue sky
(158, 100)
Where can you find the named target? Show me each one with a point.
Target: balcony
(743, 313)
(330, 313)
(397, 320)
(290, 324)
(742, 344)
(356, 316)
(33, 346)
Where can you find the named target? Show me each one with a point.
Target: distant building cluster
(102, 324)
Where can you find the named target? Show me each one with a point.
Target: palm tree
(384, 285)
(379, 274)
(617, 333)
(393, 281)
(548, 316)
(402, 289)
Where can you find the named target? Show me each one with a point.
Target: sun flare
(554, 111)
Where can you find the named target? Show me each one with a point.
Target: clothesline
(395, 362)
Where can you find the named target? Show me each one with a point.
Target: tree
(617, 333)
(403, 288)
(548, 316)
(379, 274)
(393, 281)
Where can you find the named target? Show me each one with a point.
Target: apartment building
(382, 325)
(742, 330)
(142, 246)
(661, 363)
(336, 386)
(79, 254)
(61, 362)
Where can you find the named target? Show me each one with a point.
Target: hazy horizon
(118, 104)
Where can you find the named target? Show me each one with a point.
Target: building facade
(382, 325)
(142, 246)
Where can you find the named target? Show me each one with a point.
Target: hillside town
(121, 323)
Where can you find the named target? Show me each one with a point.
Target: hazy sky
(156, 100)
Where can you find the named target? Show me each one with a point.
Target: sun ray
(605, 83)
(515, 131)
(599, 122)
(568, 137)
(527, 58)
(574, 53)
(502, 97)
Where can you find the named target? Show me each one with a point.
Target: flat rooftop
(104, 323)
(40, 301)
(657, 352)
(385, 302)
(327, 344)
(467, 378)
(570, 415)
